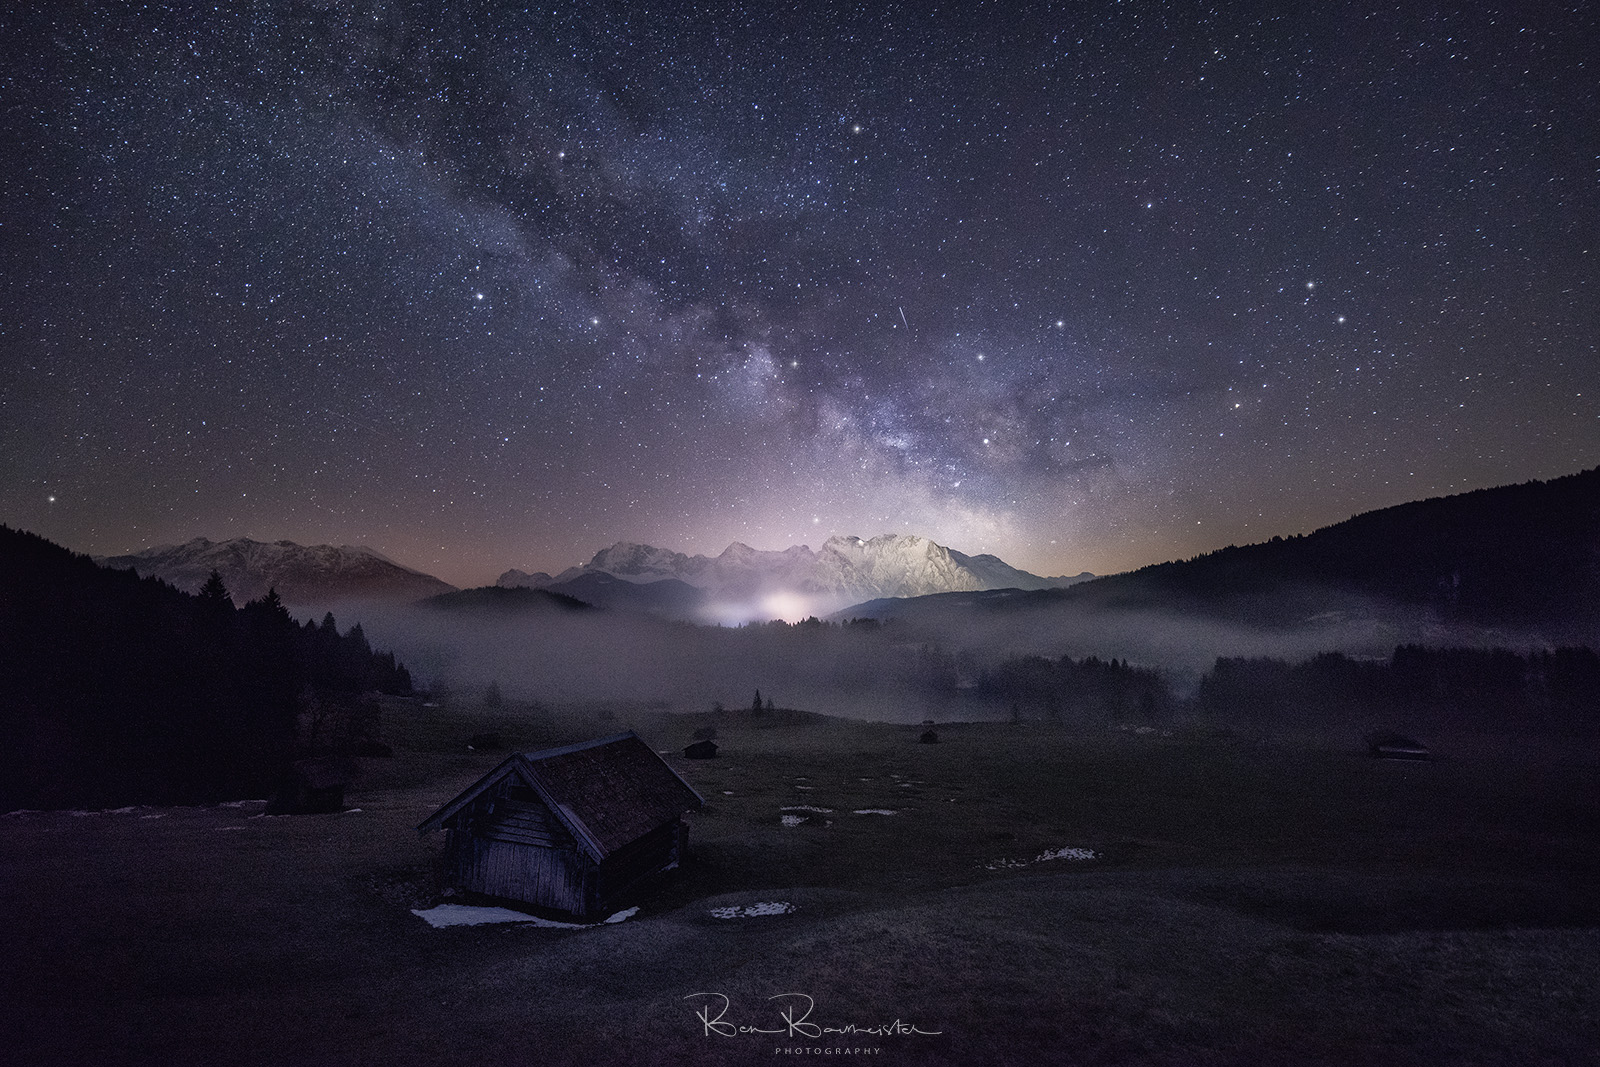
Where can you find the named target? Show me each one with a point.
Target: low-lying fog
(905, 670)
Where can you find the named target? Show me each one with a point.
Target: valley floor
(1245, 904)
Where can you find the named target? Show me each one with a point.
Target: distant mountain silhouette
(491, 599)
(515, 579)
(1523, 556)
(668, 597)
(302, 574)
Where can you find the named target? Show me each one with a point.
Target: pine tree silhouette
(215, 592)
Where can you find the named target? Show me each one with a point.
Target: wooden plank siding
(522, 822)
(551, 877)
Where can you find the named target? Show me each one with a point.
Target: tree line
(116, 689)
(1476, 689)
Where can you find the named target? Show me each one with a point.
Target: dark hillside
(1524, 557)
(120, 689)
(499, 600)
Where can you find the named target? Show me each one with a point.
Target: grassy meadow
(1251, 901)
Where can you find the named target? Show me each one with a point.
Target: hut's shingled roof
(610, 792)
(616, 787)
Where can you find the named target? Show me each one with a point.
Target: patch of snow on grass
(793, 820)
(467, 915)
(807, 807)
(773, 907)
(872, 811)
(1045, 856)
(1067, 854)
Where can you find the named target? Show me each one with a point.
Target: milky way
(1087, 287)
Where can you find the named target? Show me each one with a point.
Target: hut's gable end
(510, 810)
(523, 822)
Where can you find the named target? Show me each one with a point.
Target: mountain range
(744, 582)
(1514, 564)
(741, 583)
(302, 574)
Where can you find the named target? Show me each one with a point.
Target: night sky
(1088, 287)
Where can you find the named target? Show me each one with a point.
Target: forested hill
(1523, 557)
(1524, 554)
(116, 689)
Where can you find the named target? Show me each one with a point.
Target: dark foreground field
(1252, 903)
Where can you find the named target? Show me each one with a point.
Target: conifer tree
(215, 592)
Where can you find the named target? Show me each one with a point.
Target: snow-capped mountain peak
(302, 574)
(743, 582)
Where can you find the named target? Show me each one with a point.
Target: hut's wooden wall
(648, 856)
(549, 877)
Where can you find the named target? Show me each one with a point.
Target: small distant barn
(701, 750)
(314, 786)
(574, 829)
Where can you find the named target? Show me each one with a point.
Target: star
(710, 217)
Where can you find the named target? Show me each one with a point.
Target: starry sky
(1085, 285)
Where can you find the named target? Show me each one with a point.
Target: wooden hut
(701, 750)
(574, 829)
(314, 786)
